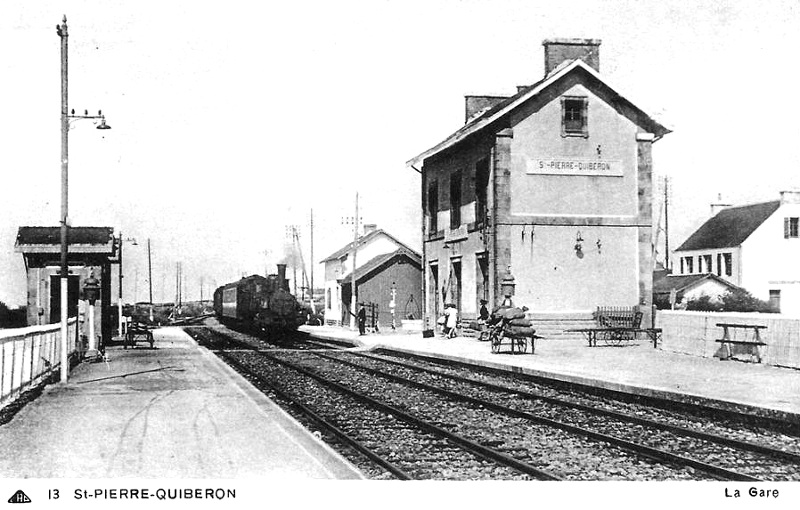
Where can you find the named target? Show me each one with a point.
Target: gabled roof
(377, 263)
(663, 283)
(502, 109)
(730, 227)
(362, 241)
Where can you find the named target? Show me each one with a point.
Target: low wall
(29, 355)
(695, 333)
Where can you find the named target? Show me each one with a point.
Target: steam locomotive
(256, 303)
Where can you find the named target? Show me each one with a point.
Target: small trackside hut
(91, 252)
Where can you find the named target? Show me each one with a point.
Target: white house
(373, 243)
(754, 246)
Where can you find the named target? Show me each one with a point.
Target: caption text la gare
(753, 492)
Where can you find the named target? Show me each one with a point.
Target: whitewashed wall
(695, 333)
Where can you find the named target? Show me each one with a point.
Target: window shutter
(786, 228)
(585, 116)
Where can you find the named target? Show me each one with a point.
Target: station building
(91, 252)
(552, 185)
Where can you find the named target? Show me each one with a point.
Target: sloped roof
(362, 241)
(729, 227)
(52, 235)
(80, 240)
(663, 283)
(503, 108)
(380, 261)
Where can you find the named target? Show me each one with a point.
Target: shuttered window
(791, 227)
(706, 264)
(433, 208)
(455, 199)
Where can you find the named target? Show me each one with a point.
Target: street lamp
(91, 292)
(65, 120)
(507, 285)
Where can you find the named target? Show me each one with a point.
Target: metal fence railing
(29, 355)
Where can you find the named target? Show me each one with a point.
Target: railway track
(715, 453)
(402, 418)
(375, 429)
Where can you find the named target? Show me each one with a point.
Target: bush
(13, 317)
(732, 301)
(704, 304)
(661, 301)
(743, 301)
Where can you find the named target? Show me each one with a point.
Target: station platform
(175, 411)
(636, 368)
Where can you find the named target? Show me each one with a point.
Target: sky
(233, 120)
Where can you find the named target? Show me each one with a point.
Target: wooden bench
(137, 330)
(731, 344)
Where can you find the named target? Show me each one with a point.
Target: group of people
(449, 319)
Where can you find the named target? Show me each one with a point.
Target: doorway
(55, 297)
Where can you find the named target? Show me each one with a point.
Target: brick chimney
(557, 51)
(475, 105)
(719, 205)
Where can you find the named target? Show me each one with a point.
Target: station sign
(574, 166)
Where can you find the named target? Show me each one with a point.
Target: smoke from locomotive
(258, 303)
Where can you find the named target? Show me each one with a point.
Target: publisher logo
(19, 497)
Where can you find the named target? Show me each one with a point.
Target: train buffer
(740, 339)
(137, 331)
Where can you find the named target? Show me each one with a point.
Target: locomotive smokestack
(282, 276)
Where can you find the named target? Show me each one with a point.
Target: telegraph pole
(150, 271)
(312, 262)
(666, 224)
(150, 278)
(354, 293)
(62, 32)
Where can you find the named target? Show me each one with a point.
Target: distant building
(393, 277)
(553, 182)
(753, 246)
(689, 287)
(382, 263)
(92, 250)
